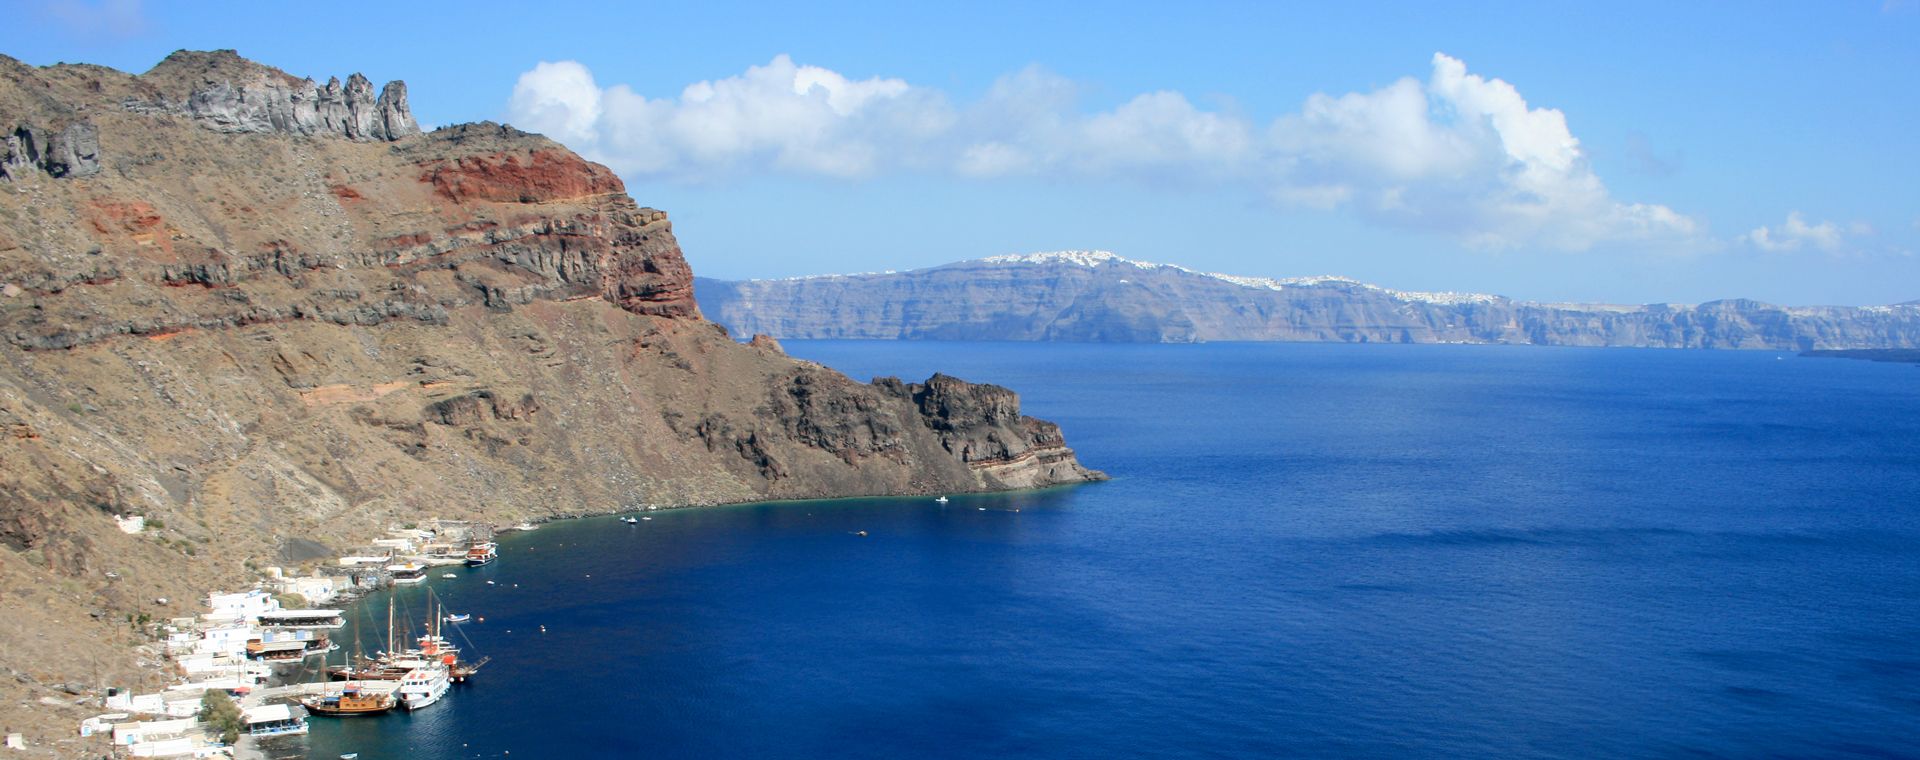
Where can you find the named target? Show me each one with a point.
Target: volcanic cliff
(273, 317)
(1095, 296)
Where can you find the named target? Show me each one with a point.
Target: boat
(482, 552)
(352, 699)
(425, 685)
(630, 520)
(350, 756)
(941, 500)
(448, 575)
(431, 652)
(410, 572)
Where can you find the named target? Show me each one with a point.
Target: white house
(230, 640)
(241, 606)
(129, 734)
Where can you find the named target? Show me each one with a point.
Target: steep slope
(1097, 296)
(274, 318)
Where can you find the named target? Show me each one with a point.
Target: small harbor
(257, 669)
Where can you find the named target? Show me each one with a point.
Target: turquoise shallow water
(1307, 550)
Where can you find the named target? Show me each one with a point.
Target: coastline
(352, 600)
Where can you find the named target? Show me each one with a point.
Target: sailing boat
(352, 699)
(429, 669)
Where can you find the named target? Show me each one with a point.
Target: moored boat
(482, 552)
(424, 685)
(352, 699)
(409, 572)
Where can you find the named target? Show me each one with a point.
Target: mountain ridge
(1078, 296)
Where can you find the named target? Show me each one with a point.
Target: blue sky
(1628, 152)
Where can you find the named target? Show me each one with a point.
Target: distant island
(1097, 296)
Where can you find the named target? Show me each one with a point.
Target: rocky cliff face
(269, 314)
(1096, 296)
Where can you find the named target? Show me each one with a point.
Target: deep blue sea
(1306, 550)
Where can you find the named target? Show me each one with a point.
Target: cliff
(1099, 297)
(274, 318)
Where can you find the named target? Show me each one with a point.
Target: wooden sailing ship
(351, 700)
(428, 650)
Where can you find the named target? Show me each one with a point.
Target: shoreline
(351, 598)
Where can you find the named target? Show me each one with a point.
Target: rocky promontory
(269, 315)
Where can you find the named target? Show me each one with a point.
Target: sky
(1621, 152)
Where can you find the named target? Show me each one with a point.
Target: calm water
(1306, 550)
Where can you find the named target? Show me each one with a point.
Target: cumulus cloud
(1797, 234)
(781, 116)
(1463, 155)
(1457, 154)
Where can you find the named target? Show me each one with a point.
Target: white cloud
(1457, 154)
(1797, 234)
(1462, 155)
(559, 100)
(779, 116)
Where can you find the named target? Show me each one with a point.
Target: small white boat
(630, 520)
(460, 618)
(941, 500)
(350, 756)
(448, 575)
(646, 518)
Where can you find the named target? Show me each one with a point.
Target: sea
(1305, 550)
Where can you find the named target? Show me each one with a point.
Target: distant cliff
(1095, 296)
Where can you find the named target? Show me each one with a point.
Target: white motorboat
(424, 685)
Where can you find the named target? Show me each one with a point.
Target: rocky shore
(270, 318)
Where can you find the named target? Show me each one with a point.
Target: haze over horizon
(1626, 153)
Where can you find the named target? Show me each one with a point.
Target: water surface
(1306, 550)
